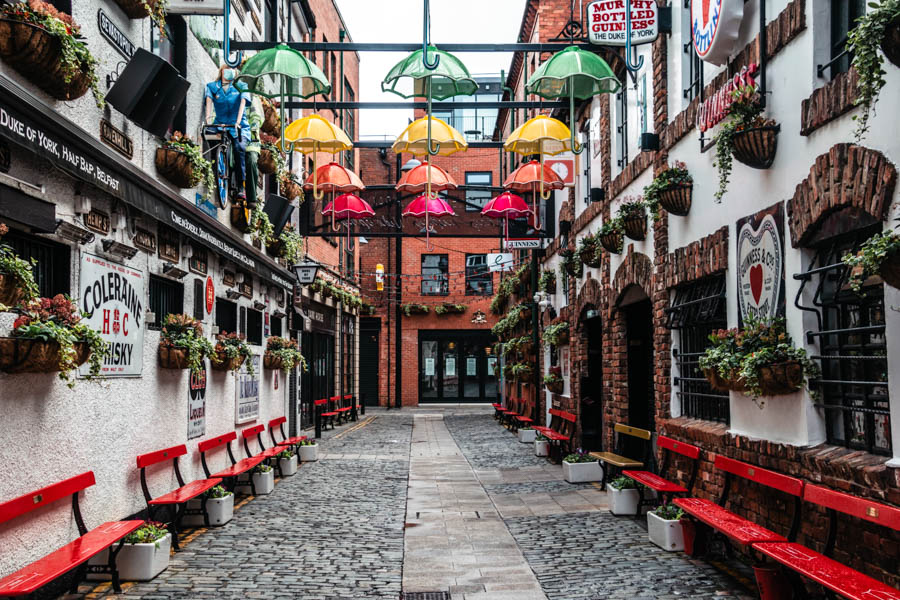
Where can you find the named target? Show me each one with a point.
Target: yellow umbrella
(312, 134)
(540, 135)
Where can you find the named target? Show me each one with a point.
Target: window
(697, 310)
(643, 103)
(479, 279)
(564, 277)
(254, 326)
(691, 65)
(348, 257)
(242, 321)
(476, 199)
(275, 325)
(853, 390)
(226, 316)
(51, 269)
(435, 280)
(622, 127)
(166, 297)
(270, 21)
(844, 14)
(349, 122)
(199, 299)
(172, 49)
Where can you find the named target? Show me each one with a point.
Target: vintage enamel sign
(606, 22)
(715, 25)
(760, 269)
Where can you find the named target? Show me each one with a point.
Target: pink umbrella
(346, 207)
(506, 206)
(427, 205)
(527, 177)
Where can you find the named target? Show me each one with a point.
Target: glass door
(456, 366)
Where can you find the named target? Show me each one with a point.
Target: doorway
(457, 366)
(639, 337)
(592, 387)
(369, 332)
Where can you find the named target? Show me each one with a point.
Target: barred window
(691, 65)
(697, 310)
(166, 297)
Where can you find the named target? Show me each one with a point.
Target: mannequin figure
(255, 118)
(227, 101)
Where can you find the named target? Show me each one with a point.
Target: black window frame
(254, 327)
(53, 261)
(844, 14)
(199, 299)
(159, 303)
(473, 197)
(444, 268)
(479, 274)
(276, 326)
(691, 65)
(622, 127)
(226, 315)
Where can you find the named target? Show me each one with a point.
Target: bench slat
(655, 482)
(616, 460)
(57, 563)
(23, 504)
(837, 577)
(207, 445)
(151, 458)
(276, 422)
(240, 467)
(187, 492)
(734, 526)
(682, 448)
(292, 441)
(633, 431)
(788, 485)
(251, 431)
(861, 508)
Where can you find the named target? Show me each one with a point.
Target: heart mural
(760, 269)
(756, 282)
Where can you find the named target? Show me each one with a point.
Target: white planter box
(668, 535)
(526, 436)
(264, 483)
(288, 465)
(220, 510)
(622, 502)
(541, 448)
(309, 453)
(582, 472)
(137, 562)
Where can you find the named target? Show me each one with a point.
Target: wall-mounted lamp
(258, 305)
(82, 204)
(170, 270)
(598, 194)
(649, 142)
(119, 249)
(240, 277)
(73, 233)
(306, 272)
(232, 294)
(187, 250)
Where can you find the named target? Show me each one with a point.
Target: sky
(456, 21)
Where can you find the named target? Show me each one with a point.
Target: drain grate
(426, 596)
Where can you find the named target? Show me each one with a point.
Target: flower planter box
(266, 162)
(220, 362)
(288, 465)
(636, 226)
(240, 217)
(720, 384)
(175, 166)
(309, 453)
(541, 448)
(19, 355)
(677, 199)
(781, 378)
(173, 358)
(613, 242)
(590, 257)
(220, 510)
(556, 388)
(137, 562)
(270, 361)
(755, 147)
(272, 120)
(890, 45)
(622, 502)
(134, 9)
(668, 535)
(890, 270)
(264, 483)
(290, 190)
(10, 292)
(582, 472)
(527, 436)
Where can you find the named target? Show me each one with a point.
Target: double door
(457, 366)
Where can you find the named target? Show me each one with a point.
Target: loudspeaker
(279, 210)
(649, 141)
(149, 91)
(598, 194)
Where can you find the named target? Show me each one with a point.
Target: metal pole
(535, 325)
(399, 313)
(762, 53)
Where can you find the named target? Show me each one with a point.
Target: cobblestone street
(428, 500)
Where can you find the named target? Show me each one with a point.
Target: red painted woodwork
(240, 467)
(330, 414)
(335, 398)
(43, 571)
(321, 402)
(32, 500)
(348, 397)
(734, 526)
(680, 447)
(522, 419)
(276, 422)
(292, 441)
(655, 482)
(839, 578)
(215, 442)
(251, 431)
(788, 485)
(151, 458)
(187, 492)
(855, 506)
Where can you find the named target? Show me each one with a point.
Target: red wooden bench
(824, 570)
(264, 454)
(73, 555)
(562, 425)
(739, 529)
(506, 413)
(345, 408)
(330, 414)
(177, 499)
(658, 483)
(521, 417)
(498, 409)
(238, 467)
(285, 440)
(323, 415)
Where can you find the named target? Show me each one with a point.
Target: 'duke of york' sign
(606, 22)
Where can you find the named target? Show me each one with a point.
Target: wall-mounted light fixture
(73, 233)
(233, 294)
(258, 305)
(119, 249)
(306, 272)
(171, 270)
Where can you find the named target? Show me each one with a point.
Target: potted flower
(527, 435)
(522, 372)
(283, 353)
(556, 334)
(580, 467)
(219, 507)
(230, 352)
(623, 496)
(448, 308)
(138, 9)
(589, 251)
(671, 189)
(180, 160)
(290, 186)
(46, 46)
(571, 264)
(290, 245)
(541, 445)
(270, 159)
(49, 336)
(17, 283)
(553, 380)
(261, 228)
(879, 255)
(144, 553)
(612, 235)
(287, 461)
(664, 527)
(272, 120)
(547, 281)
(633, 213)
(263, 480)
(182, 345)
(414, 309)
(309, 451)
(878, 27)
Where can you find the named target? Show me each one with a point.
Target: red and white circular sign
(210, 295)
(715, 25)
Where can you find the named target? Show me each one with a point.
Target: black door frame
(459, 336)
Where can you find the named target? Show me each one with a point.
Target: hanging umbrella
(414, 181)
(313, 134)
(428, 205)
(333, 177)
(346, 207)
(527, 178)
(540, 135)
(575, 73)
(282, 72)
(506, 206)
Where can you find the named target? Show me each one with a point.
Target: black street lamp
(306, 272)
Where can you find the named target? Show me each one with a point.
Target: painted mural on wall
(760, 260)
(246, 403)
(112, 298)
(197, 405)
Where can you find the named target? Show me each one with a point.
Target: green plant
(444, 309)
(59, 320)
(554, 334)
(308, 442)
(590, 251)
(862, 44)
(540, 437)
(186, 333)
(261, 227)
(201, 168)
(744, 113)
(217, 492)
(547, 280)
(554, 376)
(676, 174)
(262, 468)
(75, 56)
(623, 483)
(867, 261)
(632, 206)
(18, 269)
(572, 264)
(668, 512)
(285, 454)
(579, 456)
(272, 144)
(286, 349)
(148, 533)
(522, 371)
(413, 308)
(157, 11)
(234, 345)
(291, 245)
(285, 178)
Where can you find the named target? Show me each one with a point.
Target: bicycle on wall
(219, 149)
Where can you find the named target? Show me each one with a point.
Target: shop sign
(246, 289)
(210, 295)
(116, 138)
(500, 261)
(144, 240)
(228, 278)
(522, 243)
(606, 22)
(198, 262)
(716, 25)
(114, 35)
(97, 221)
(196, 7)
(246, 405)
(169, 245)
(564, 167)
(197, 405)
(714, 109)
(199, 232)
(760, 260)
(112, 300)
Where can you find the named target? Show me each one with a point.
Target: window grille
(850, 334)
(435, 276)
(697, 310)
(844, 14)
(51, 261)
(691, 65)
(622, 126)
(166, 297)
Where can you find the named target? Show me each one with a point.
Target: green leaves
(863, 42)
(554, 334)
(870, 257)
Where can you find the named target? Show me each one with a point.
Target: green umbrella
(575, 73)
(282, 72)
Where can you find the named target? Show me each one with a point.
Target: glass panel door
(472, 369)
(450, 369)
(428, 370)
(491, 380)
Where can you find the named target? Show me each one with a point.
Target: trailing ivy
(863, 43)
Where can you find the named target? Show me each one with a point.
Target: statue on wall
(226, 103)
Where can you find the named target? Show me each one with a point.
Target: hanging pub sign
(144, 240)
(716, 25)
(714, 109)
(97, 221)
(196, 7)
(199, 260)
(760, 264)
(229, 278)
(564, 167)
(112, 300)
(169, 244)
(606, 22)
(246, 402)
(197, 405)
(210, 295)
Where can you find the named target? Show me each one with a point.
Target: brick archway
(845, 176)
(636, 269)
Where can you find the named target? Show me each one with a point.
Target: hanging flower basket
(266, 162)
(35, 356)
(890, 44)
(613, 241)
(274, 248)
(780, 378)
(175, 166)
(290, 190)
(272, 121)
(173, 358)
(136, 9)
(270, 361)
(721, 384)
(635, 226)
(37, 55)
(524, 315)
(10, 290)
(556, 387)
(890, 270)
(590, 256)
(220, 362)
(240, 218)
(677, 199)
(755, 147)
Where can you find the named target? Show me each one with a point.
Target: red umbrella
(528, 177)
(426, 205)
(415, 180)
(506, 206)
(334, 178)
(346, 207)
